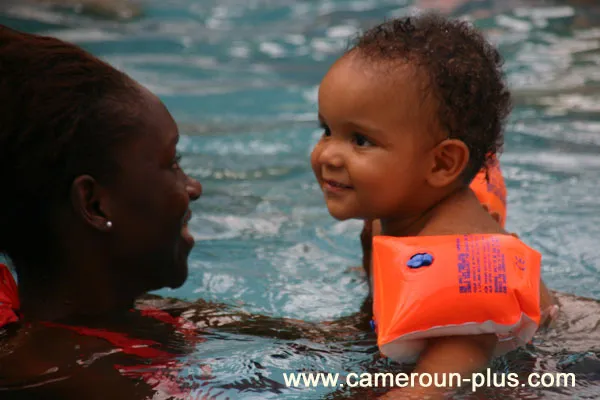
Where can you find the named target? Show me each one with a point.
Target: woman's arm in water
(548, 306)
(226, 318)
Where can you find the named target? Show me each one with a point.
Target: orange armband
(491, 192)
(435, 286)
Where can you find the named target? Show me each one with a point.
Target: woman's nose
(194, 188)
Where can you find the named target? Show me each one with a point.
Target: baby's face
(373, 157)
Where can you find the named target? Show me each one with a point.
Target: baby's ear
(449, 160)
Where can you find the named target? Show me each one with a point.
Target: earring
(108, 224)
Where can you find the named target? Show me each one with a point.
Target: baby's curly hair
(464, 74)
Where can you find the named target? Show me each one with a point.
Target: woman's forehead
(156, 123)
(153, 138)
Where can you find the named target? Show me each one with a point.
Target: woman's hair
(64, 113)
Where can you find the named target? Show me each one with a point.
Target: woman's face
(149, 203)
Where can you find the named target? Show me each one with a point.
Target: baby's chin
(343, 215)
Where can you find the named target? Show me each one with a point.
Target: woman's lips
(185, 231)
(187, 236)
(187, 216)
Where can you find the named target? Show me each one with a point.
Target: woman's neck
(64, 298)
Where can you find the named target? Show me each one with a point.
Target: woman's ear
(450, 158)
(90, 202)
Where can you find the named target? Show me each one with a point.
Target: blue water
(241, 77)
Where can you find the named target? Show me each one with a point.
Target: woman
(93, 215)
(94, 208)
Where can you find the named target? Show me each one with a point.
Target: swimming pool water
(241, 78)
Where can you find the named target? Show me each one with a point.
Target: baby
(410, 115)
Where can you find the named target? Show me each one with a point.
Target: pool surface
(241, 78)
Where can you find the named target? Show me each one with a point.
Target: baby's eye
(326, 131)
(361, 140)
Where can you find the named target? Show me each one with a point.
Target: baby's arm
(548, 303)
(464, 355)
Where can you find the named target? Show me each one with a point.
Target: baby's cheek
(314, 157)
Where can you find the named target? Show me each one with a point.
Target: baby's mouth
(337, 185)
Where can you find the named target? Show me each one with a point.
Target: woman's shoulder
(40, 360)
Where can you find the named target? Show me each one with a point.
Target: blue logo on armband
(420, 260)
(373, 325)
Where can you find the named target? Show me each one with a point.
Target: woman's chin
(180, 279)
(177, 277)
